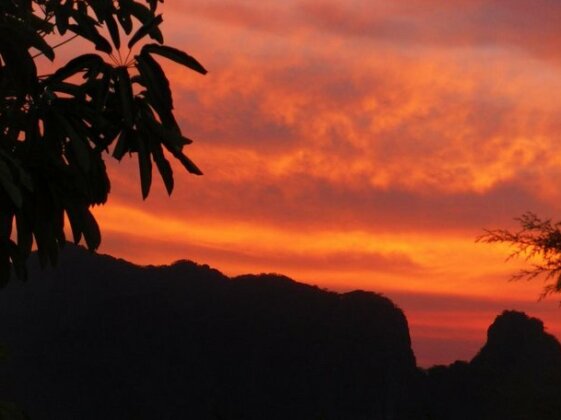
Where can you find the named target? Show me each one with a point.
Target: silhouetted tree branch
(539, 243)
(55, 130)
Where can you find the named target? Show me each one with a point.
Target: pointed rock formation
(515, 376)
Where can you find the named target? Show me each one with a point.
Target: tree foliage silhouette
(56, 128)
(538, 241)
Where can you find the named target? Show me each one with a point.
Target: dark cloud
(532, 26)
(529, 25)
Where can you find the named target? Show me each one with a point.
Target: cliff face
(516, 375)
(102, 338)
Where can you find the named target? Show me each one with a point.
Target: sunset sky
(361, 144)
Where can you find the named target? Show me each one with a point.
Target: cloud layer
(360, 144)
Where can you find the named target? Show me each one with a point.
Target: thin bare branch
(537, 242)
(60, 44)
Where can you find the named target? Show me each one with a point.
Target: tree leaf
(113, 31)
(7, 183)
(163, 165)
(124, 17)
(76, 222)
(20, 68)
(79, 144)
(138, 10)
(76, 65)
(91, 34)
(188, 164)
(62, 15)
(24, 233)
(122, 146)
(125, 91)
(92, 234)
(156, 82)
(144, 165)
(26, 36)
(147, 28)
(176, 55)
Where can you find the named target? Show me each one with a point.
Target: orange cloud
(439, 122)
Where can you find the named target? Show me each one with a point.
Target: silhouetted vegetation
(55, 128)
(103, 338)
(538, 242)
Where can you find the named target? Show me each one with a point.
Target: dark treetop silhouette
(538, 241)
(55, 128)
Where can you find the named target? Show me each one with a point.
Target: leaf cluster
(56, 129)
(538, 241)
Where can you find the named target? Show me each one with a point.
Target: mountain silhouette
(516, 376)
(101, 338)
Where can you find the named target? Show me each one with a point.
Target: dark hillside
(515, 376)
(102, 338)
